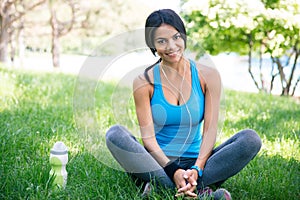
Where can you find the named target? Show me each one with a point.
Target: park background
(41, 100)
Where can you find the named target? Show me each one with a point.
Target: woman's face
(168, 43)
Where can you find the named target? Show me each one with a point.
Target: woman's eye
(161, 41)
(177, 36)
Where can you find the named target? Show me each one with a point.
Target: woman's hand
(186, 182)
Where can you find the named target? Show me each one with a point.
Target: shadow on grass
(272, 124)
(40, 113)
(271, 116)
(266, 178)
(94, 180)
(91, 179)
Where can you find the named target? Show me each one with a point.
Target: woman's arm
(213, 88)
(211, 85)
(142, 92)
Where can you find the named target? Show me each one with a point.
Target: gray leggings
(225, 161)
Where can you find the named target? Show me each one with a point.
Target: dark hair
(155, 20)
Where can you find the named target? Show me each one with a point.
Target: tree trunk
(55, 40)
(55, 51)
(250, 43)
(295, 86)
(21, 46)
(59, 29)
(282, 77)
(262, 79)
(289, 83)
(4, 37)
(273, 76)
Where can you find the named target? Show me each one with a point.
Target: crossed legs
(226, 160)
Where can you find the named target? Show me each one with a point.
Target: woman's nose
(171, 45)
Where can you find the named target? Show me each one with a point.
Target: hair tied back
(161, 18)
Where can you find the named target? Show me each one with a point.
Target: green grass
(38, 109)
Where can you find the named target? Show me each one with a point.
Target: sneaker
(221, 194)
(208, 194)
(205, 193)
(147, 190)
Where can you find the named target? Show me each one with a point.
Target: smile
(173, 53)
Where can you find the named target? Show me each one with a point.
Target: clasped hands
(186, 182)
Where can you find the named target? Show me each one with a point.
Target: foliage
(254, 28)
(37, 110)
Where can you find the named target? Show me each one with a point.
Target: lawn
(38, 109)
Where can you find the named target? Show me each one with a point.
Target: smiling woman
(177, 105)
(169, 44)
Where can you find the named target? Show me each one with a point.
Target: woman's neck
(177, 67)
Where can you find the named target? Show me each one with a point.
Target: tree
(60, 28)
(103, 19)
(36, 22)
(11, 13)
(267, 28)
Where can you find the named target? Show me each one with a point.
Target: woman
(177, 106)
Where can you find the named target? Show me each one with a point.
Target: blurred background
(254, 44)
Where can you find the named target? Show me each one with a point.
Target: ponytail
(147, 69)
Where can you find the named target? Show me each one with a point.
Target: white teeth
(173, 53)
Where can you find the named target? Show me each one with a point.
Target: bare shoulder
(141, 84)
(208, 74)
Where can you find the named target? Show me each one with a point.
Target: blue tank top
(178, 128)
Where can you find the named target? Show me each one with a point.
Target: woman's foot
(147, 190)
(205, 193)
(219, 194)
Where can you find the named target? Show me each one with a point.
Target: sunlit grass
(38, 109)
(286, 148)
